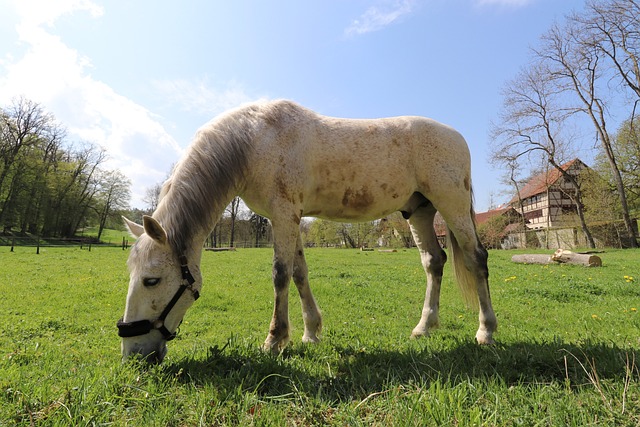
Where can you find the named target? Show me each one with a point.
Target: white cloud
(50, 72)
(201, 97)
(57, 76)
(380, 16)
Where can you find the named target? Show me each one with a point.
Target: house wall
(551, 208)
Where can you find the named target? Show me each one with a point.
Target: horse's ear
(154, 229)
(135, 230)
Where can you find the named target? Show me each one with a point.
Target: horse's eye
(150, 281)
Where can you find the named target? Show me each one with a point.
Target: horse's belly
(355, 202)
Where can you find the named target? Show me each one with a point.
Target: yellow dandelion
(595, 316)
(634, 309)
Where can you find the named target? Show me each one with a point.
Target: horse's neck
(206, 180)
(188, 228)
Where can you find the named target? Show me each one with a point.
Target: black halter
(143, 327)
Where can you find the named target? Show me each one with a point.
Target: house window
(533, 214)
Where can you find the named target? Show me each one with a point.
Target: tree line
(51, 186)
(582, 76)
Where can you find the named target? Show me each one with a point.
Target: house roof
(483, 217)
(540, 183)
(441, 227)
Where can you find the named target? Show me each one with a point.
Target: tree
(613, 27)
(576, 62)
(47, 185)
(259, 227)
(114, 195)
(394, 230)
(233, 209)
(152, 197)
(492, 232)
(532, 123)
(581, 59)
(73, 187)
(29, 140)
(323, 232)
(627, 151)
(357, 235)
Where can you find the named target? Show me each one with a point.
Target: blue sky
(139, 77)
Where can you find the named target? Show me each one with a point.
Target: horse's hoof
(310, 339)
(275, 346)
(419, 333)
(484, 338)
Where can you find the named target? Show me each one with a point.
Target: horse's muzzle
(150, 352)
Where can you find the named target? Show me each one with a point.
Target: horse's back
(349, 169)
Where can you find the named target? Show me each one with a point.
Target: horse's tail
(467, 280)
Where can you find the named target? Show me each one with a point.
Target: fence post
(38, 245)
(13, 243)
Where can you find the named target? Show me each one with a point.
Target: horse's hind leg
(310, 312)
(469, 261)
(433, 260)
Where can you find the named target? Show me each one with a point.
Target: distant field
(109, 236)
(567, 352)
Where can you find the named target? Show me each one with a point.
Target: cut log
(532, 259)
(560, 256)
(569, 257)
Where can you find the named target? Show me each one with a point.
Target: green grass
(567, 351)
(109, 236)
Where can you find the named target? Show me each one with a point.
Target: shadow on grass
(356, 373)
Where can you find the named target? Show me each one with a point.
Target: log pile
(560, 256)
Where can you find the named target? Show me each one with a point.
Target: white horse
(287, 162)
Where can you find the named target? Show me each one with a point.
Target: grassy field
(567, 351)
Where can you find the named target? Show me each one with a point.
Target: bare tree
(613, 27)
(152, 197)
(514, 168)
(532, 123)
(577, 68)
(233, 209)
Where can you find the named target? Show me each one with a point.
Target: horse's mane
(201, 184)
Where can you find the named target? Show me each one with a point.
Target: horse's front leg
(284, 243)
(310, 312)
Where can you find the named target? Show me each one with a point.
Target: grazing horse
(287, 162)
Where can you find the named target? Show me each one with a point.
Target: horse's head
(155, 302)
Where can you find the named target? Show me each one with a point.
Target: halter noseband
(143, 327)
